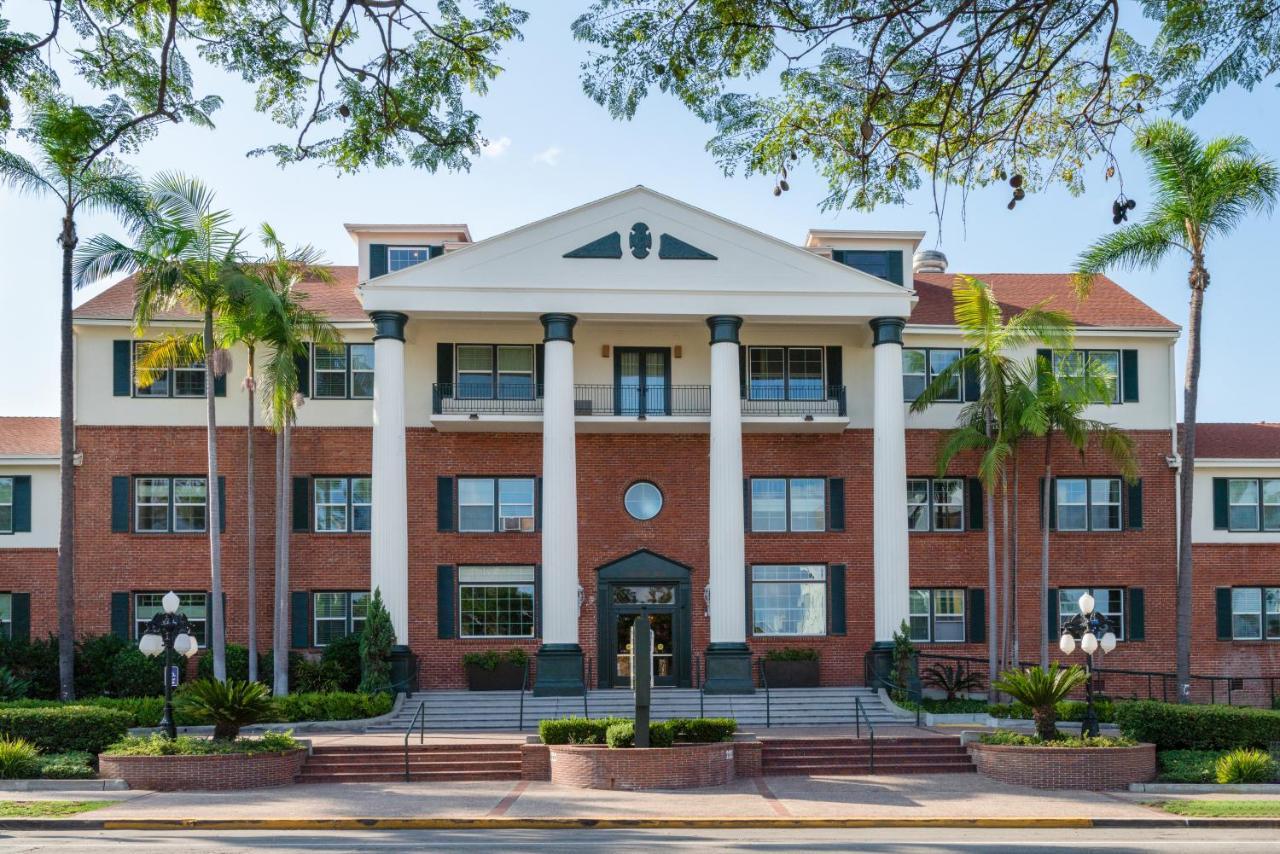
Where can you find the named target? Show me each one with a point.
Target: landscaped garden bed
(185, 763)
(495, 671)
(600, 754)
(791, 667)
(1064, 763)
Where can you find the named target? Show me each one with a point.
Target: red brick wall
(33, 571)
(688, 766)
(1065, 767)
(199, 773)
(1227, 565)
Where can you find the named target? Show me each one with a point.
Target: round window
(643, 500)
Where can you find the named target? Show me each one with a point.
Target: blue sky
(552, 149)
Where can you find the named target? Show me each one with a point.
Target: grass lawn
(47, 809)
(1224, 809)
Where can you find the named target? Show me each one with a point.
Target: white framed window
(796, 504)
(513, 510)
(474, 369)
(808, 503)
(1271, 504)
(1255, 613)
(1108, 601)
(515, 372)
(338, 614)
(935, 504)
(494, 372)
(151, 503)
(329, 366)
(496, 601)
(937, 615)
(1088, 504)
(170, 505)
(361, 370)
(6, 615)
(6, 505)
(193, 605)
(788, 600)
(918, 518)
(342, 504)
(768, 504)
(922, 365)
(190, 504)
(1253, 504)
(180, 381)
(786, 373)
(1069, 365)
(399, 257)
(515, 504)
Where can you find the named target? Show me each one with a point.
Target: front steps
(379, 763)
(500, 710)
(847, 756)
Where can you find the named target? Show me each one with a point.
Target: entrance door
(642, 381)
(662, 623)
(648, 582)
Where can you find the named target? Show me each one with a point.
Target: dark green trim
(1136, 614)
(20, 616)
(302, 365)
(609, 246)
(120, 514)
(559, 669)
(21, 504)
(835, 367)
(377, 260)
(642, 388)
(1221, 503)
(675, 249)
(446, 609)
(1051, 607)
(835, 581)
(1129, 376)
(887, 330)
(976, 622)
(444, 504)
(120, 615)
(301, 505)
(557, 327)
(835, 504)
(724, 328)
(645, 567)
(971, 383)
(858, 258)
(121, 368)
(1133, 506)
(220, 386)
(300, 619)
(973, 497)
(387, 324)
(1222, 601)
(640, 241)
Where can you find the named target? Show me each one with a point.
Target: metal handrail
(858, 714)
(420, 718)
(764, 682)
(524, 686)
(701, 683)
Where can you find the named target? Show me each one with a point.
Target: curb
(91, 784)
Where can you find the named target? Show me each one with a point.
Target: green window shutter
(975, 503)
(750, 623)
(1129, 376)
(1053, 504)
(835, 370)
(120, 504)
(444, 367)
(302, 365)
(20, 627)
(220, 386)
(742, 371)
(435, 250)
(222, 504)
(1222, 598)
(895, 267)
(836, 573)
(1137, 613)
(537, 504)
(835, 504)
(21, 503)
(444, 503)
(537, 600)
(977, 605)
(121, 368)
(302, 504)
(120, 615)
(1045, 356)
(445, 607)
(539, 367)
(1052, 625)
(1133, 509)
(377, 260)
(1221, 503)
(299, 619)
(972, 382)
(746, 504)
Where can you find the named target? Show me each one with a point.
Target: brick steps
(427, 762)
(848, 756)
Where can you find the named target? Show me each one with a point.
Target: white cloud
(548, 157)
(496, 147)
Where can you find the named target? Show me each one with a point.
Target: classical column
(728, 658)
(389, 534)
(889, 487)
(560, 656)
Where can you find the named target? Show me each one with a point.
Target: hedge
(335, 706)
(576, 730)
(1177, 727)
(596, 730)
(1068, 711)
(67, 728)
(704, 729)
(623, 734)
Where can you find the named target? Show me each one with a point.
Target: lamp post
(1093, 631)
(168, 632)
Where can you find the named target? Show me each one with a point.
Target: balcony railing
(627, 400)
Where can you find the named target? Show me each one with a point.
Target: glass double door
(662, 623)
(642, 381)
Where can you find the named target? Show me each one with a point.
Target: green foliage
(792, 653)
(376, 639)
(623, 734)
(1067, 710)
(952, 679)
(1020, 739)
(699, 730)
(12, 687)
(333, 706)
(1177, 727)
(576, 730)
(157, 744)
(316, 677)
(1245, 765)
(1187, 766)
(1220, 808)
(227, 705)
(1041, 690)
(35, 662)
(19, 759)
(933, 705)
(111, 666)
(74, 765)
(341, 660)
(596, 731)
(237, 664)
(64, 728)
(489, 659)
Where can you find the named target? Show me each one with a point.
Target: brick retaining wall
(686, 766)
(183, 773)
(1094, 768)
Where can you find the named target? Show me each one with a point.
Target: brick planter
(183, 773)
(1094, 768)
(685, 766)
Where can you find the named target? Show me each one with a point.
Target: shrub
(952, 679)
(623, 734)
(1245, 765)
(19, 759)
(315, 677)
(1020, 739)
(491, 658)
(342, 658)
(575, 730)
(703, 729)
(237, 664)
(186, 745)
(67, 766)
(112, 666)
(792, 653)
(266, 667)
(1041, 690)
(34, 662)
(227, 705)
(376, 639)
(1187, 766)
(58, 729)
(11, 687)
(1177, 727)
(1067, 710)
(334, 706)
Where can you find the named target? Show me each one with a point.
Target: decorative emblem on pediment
(640, 240)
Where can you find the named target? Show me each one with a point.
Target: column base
(729, 669)
(559, 672)
(404, 670)
(880, 671)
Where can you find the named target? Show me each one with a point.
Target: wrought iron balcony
(628, 400)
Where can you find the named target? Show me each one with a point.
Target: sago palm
(227, 705)
(1041, 689)
(64, 138)
(185, 255)
(1201, 192)
(991, 342)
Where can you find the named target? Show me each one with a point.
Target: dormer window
(399, 257)
(882, 263)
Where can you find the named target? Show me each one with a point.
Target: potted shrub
(791, 667)
(492, 670)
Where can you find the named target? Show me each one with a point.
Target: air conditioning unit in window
(511, 523)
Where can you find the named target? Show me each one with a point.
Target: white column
(559, 486)
(889, 482)
(727, 549)
(389, 535)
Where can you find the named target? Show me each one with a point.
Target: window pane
(331, 605)
(1107, 362)
(1072, 504)
(789, 607)
(948, 504)
(939, 361)
(188, 381)
(331, 357)
(361, 503)
(805, 374)
(914, 373)
(918, 504)
(767, 373)
(1271, 505)
(1104, 498)
(768, 504)
(331, 504)
(189, 504)
(919, 619)
(6, 490)
(475, 502)
(151, 496)
(1246, 613)
(808, 504)
(399, 257)
(1273, 613)
(1243, 509)
(515, 359)
(496, 609)
(515, 504)
(475, 357)
(775, 572)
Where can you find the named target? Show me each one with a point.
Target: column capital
(388, 324)
(887, 330)
(724, 328)
(558, 327)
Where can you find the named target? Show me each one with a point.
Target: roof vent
(929, 261)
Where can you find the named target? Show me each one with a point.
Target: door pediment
(644, 565)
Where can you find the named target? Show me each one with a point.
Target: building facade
(524, 441)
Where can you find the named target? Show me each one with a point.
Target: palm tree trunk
(1005, 592)
(1044, 549)
(993, 623)
(217, 639)
(280, 616)
(1015, 651)
(67, 515)
(1199, 279)
(251, 569)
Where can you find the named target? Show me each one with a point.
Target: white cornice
(15, 460)
(1236, 463)
(1081, 331)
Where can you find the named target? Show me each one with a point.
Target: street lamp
(1094, 632)
(168, 632)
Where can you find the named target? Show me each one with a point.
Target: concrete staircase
(839, 756)
(377, 763)
(500, 710)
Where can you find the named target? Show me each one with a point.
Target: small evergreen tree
(376, 639)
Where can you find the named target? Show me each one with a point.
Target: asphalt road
(879, 841)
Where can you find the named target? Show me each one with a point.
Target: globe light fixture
(1108, 641)
(170, 602)
(1093, 631)
(167, 633)
(182, 644)
(1089, 643)
(1067, 644)
(1086, 603)
(151, 645)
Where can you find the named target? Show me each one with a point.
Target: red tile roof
(28, 437)
(1238, 441)
(337, 299)
(1108, 305)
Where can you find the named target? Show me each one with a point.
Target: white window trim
(390, 249)
(788, 526)
(1088, 506)
(1261, 614)
(174, 504)
(823, 583)
(1117, 396)
(348, 613)
(786, 371)
(931, 616)
(352, 371)
(171, 379)
(316, 371)
(531, 584)
(10, 480)
(317, 504)
(1260, 506)
(1101, 595)
(930, 506)
(929, 375)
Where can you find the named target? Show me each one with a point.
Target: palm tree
(1042, 689)
(1202, 192)
(65, 137)
(185, 255)
(1059, 407)
(983, 425)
